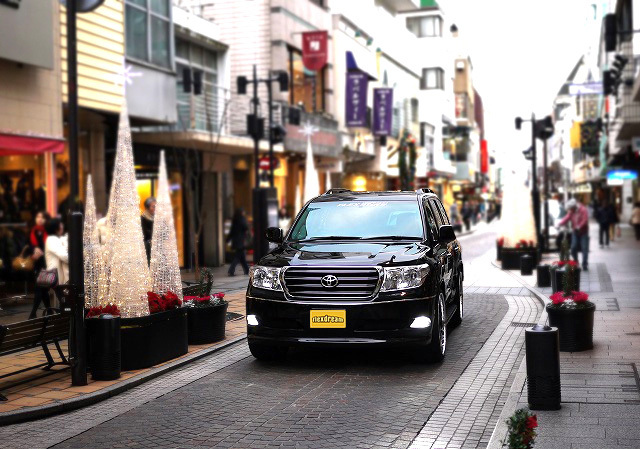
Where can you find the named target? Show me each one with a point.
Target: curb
(511, 404)
(113, 390)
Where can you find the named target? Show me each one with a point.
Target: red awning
(19, 145)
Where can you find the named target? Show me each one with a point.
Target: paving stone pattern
(355, 399)
(468, 414)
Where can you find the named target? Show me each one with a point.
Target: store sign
(617, 177)
(314, 50)
(382, 111)
(484, 157)
(264, 163)
(356, 99)
(585, 89)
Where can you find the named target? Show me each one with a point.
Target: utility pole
(535, 193)
(545, 195)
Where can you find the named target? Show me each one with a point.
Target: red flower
(532, 422)
(557, 298)
(501, 241)
(190, 298)
(579, 296)
(111, 309)
(572, 263)
(203, 298)
(219, 295)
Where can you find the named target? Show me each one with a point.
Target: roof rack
(424, 190)
(336, 190)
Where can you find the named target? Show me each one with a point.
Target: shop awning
(19, 145)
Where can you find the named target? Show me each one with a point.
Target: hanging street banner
(382, 111)
(586, 89)
(356, 100)
(314, 50)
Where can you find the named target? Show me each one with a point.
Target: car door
(453, 247)
(440, 250)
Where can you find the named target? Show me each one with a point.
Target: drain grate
(521, 324)
(232, 316)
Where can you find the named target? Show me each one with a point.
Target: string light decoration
(124, 277)
(164, 265)
(91, 249)
(311, 182)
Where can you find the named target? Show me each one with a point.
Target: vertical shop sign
(314, 50)
(484, 157)
(382, 111)
(356, 99)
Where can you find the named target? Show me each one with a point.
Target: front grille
(353, 282)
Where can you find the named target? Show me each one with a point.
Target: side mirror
(447, 234)
(274, 235)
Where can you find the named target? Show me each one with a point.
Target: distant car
(359, 268)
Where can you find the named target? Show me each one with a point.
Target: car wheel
(262, 351)
(456, 319)
(438, 346)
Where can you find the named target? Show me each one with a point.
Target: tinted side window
(443, 212)
(436, 213)
(431, 222)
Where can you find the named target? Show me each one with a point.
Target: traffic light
(242, 82)
(518, 123)
(278, 134)
(607, 82)
(283, 80)
(255, 126)
(589, 137)
(544, 128)
(610, 32)
(294, 116)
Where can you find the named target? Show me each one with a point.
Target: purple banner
(356, 100)
(382, 111)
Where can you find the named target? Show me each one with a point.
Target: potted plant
(521, 428)
(572, 314)
(499, 245)
(565, 276)
(206, 317)
(511, 256)
(158, 337)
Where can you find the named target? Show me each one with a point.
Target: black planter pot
(104, 347)
(153, 339)
(206, 324)
(543, 275)
(575, 326)
(557, 280)
(511, 257)
(499, 251)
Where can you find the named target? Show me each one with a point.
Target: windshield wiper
(392, 237)
(330, 237)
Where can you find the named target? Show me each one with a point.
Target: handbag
(22, 262)
(47, 278)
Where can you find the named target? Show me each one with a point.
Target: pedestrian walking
(635, 219)
(578, 215)
(37, 241)
(237, 236)
(466, 215)
(605, 216)
(146, 220)
(614, 222)
(56, 249)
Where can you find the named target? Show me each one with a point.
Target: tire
(456, 319)
(437, 349)
(262, 351)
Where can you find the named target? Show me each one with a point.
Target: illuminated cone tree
(125, 278)
(164, 265)
(91, 249)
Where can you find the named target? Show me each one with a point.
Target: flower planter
(575, 326)
(557, 279)
(543, 273)
(511, 257)
(153, 339)
(206, 324)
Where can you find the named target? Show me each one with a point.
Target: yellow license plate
(334, 319)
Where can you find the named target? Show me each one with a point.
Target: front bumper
(287, 322)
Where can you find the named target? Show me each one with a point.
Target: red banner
(314, 49)
(484, 157)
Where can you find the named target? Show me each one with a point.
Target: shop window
(432, 78)
(307, 87)
(149, 31)
(430, 26)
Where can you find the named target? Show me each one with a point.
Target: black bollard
(543, 275)
(104, 347)
(543, 367)
(526, 265)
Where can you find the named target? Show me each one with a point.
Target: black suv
(370, 268)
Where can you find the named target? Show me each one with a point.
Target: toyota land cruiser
(369, 268)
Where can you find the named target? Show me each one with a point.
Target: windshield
(359, 220)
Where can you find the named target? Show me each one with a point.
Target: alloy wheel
(461, 298)
(443, 326)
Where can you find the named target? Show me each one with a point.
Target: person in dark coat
(146, 220)
(605, 215)
(237, 236)
(37, 240)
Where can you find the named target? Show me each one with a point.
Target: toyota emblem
(329, 281)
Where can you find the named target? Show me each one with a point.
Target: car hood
(345, 253)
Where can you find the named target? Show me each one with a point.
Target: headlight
(265, 277)
(402, 278)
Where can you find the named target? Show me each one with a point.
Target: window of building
(197, 111)
(432, 78)
(149, 31)
(414, 110)
(429, 26)
(307, 87)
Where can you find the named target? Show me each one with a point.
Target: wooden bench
(29, 334)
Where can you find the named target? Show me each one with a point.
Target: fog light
(421, 322)
(252, 320)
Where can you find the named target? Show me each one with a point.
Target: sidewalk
(600, 387)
